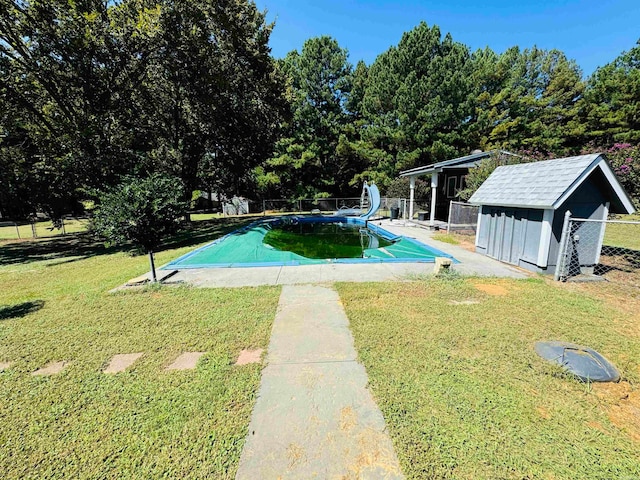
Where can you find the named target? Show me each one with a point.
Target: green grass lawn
(446, 238)
(465, 396)
(199, 217)
(462, 390)
(143, 423)
(43, 229)
(624, 235)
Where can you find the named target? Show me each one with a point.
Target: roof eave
(616, 186)
(420, 171)
(511, 205)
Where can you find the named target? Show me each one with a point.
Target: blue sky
(591, 32)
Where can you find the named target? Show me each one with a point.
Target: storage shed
(522, 207)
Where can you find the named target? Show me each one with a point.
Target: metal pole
(62, 223)
(154, 279)
(17, 230)
(264, 208)
(564, 240)
(449, 217)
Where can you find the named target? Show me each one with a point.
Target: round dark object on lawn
(585, 363)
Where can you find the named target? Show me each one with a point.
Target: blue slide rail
(374, 200)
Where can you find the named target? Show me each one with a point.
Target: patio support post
(434, 189)
(412, 188)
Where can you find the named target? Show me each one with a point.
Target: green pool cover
(245, 248)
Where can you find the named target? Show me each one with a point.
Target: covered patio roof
(468, 161)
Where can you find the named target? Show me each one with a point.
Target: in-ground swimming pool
(312, 240)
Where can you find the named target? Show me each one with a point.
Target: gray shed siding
(511, 235)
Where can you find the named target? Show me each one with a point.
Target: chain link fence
(600, 249)
(41, 228)
(308, 205)
(332, 205)
(463, 217)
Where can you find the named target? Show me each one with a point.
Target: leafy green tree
(28, 183)
(359, 82)
(399, 188)
(315, 157)
(527, 100)
(418, 101)
(141, 211)
(71, 67)
(612, 100)
(214, 96)
(101, 89)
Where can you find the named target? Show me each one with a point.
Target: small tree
(399, 188)
(625, 160)
(141, 211)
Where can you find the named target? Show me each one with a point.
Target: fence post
(64, 232)
(264, 208)
(449, 217)
(562, 248)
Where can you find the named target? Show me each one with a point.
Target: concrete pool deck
(471, 263)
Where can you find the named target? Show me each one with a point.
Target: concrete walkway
(314, 416)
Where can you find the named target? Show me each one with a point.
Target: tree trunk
(154, 279)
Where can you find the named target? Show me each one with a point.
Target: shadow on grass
(74, 247)
(20, 310)
(78, 246)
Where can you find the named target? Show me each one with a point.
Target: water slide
(370, 191)
(374, 200)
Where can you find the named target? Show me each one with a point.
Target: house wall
(446, 191)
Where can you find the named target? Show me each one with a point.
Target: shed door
(506, 241)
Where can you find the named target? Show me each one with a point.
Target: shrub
(141, 211)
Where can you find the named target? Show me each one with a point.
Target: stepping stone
(52, 368)
(249, 356)
(122, 361)
(464, 302)
(186, 361)
(4, 366)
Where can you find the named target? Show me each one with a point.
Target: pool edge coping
(294, 263)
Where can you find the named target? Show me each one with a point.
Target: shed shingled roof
(541, 184)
